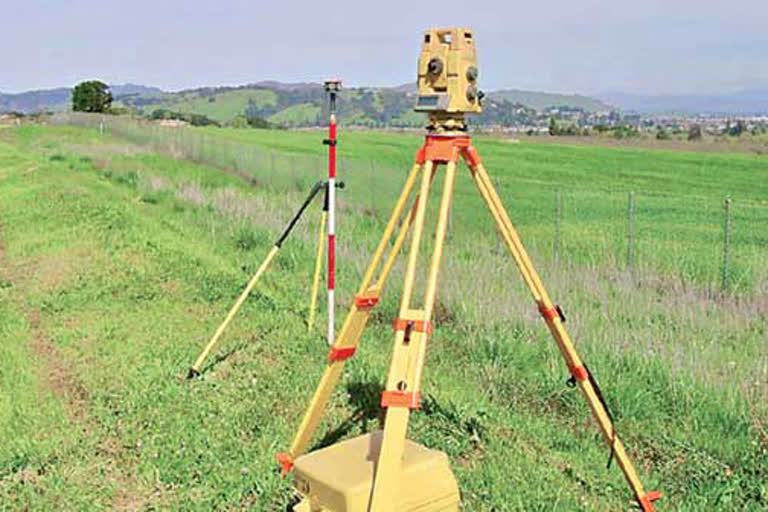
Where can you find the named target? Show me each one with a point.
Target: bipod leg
(359, 312)
(194, 371)
(318, 264)
(555, 321)
(412, 328)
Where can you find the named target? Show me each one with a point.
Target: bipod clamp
(340, 185)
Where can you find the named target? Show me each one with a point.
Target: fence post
(372, 188)
(726, 244)
(558, 222)
(631, 229)
(272, 169)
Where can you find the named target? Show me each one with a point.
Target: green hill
(305, 104)
(302, 104)
(296, 114)
(541, 100)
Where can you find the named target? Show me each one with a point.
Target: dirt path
(56, 375)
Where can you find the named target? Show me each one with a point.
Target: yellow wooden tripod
(384, 472)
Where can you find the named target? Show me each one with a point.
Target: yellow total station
(448, 73)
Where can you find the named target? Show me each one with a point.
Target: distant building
(9, 120)
(172, 123)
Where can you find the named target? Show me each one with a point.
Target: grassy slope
(227, 106)
(542, 100)
(301, 113)
(122, 276)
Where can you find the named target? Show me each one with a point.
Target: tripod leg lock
(340, 353)
(578, 373)
(552, 313)
(365, 302)
(409, 399)
(409, 326)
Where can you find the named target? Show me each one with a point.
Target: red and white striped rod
(332, 86)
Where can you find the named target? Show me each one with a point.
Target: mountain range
(299, 104)
(293, 103)
(747, 102)
(59, 99)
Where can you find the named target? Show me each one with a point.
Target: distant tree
(160, 113)
(197, 119)
(625, 131)
(662, 134)
(737, 128)
(255, 121)
(240, 122)
(694, 132)
(553, 129)
(91, 96)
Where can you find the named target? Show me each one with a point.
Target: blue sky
(585, 46)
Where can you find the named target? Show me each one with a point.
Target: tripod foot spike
(193, 373)
(646, 502)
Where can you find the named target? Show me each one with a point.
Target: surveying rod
(332, 86)
(194, 371)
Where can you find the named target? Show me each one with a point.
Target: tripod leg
(318, 271)
(351, 329)
(412, 329)
(554, 322)
(194, 371)
(390, 261)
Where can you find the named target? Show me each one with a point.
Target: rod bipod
(413, 325)
(194, 370)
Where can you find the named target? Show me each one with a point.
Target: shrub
(694, 132)
(245, 237)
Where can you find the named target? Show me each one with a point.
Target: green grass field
(679, 196)
(118, 261)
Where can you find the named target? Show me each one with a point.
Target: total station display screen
(427, 101)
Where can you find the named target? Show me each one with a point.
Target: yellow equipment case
(339, 478)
